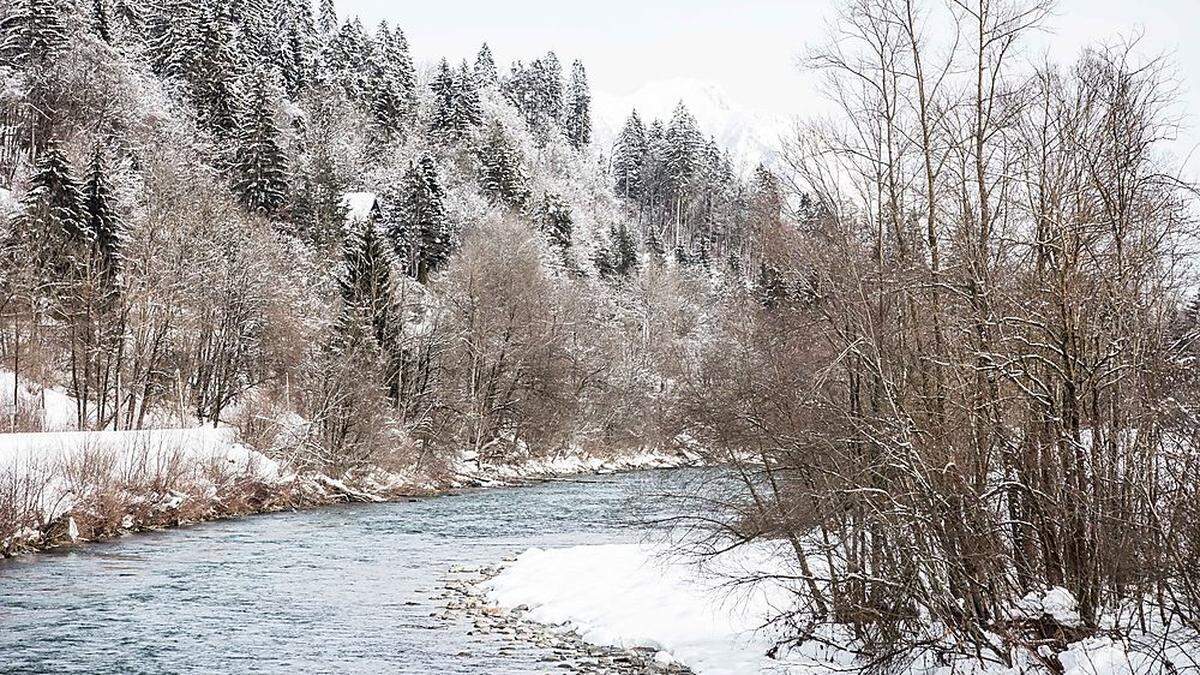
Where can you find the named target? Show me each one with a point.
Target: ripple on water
(348, 588)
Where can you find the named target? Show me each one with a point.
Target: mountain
(750, 136)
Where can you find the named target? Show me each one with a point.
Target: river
(342, 589)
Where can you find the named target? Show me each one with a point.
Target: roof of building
(360, 206)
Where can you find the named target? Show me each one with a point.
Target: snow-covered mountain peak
(750, 136)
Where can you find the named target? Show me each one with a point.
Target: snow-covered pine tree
(423, 228)
(468, 107)
(683, 147)
(126, 22)
(365, 285)
(100, 21)
(259, 164)
(50, 234)
(327, 19)
(213, 71)
(629, 158)
(446, 122)
(317, 209)
(485, 68)
(502, 178)
(554, 217)
(103, 227)
(388, 104)
(346, 60)
(33, 32)
(172, 34)
(400, 64)
(551, 82)
(298, 32)
(579, 108)
(624, 251)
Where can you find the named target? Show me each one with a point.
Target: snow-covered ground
(470, 470)
(638, 595)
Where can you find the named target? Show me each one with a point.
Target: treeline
(261, 214)
(973, 378)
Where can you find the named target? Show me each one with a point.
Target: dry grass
(97, 494)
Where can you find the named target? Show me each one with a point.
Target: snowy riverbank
(60, 488)
(639, 595)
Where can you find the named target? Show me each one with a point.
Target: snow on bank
(635, 595)
(628, 595)
(471, 470)
(58, 487)
(201, 444)
(51, 407)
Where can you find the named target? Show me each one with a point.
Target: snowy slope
(750, 136)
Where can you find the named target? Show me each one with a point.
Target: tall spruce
(103, 227)
(446, 122)
(422, 230)
(554, 216)
(260, 165)
(485, 68)
(388, 100)
(579, 108)
(365, 285)
(629, 157)
(51, 233)
(403, 73)
(502, 177)
(327, 19)
(33, 32)
(467, 102)
(214, 69)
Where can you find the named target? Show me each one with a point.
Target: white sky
(748, 48)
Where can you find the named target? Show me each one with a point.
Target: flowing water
(341, 589)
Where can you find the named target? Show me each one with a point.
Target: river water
(342, 589)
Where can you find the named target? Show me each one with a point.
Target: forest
(944, 344)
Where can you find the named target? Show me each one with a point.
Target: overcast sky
(747, 47)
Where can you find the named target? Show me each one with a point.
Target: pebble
(465, 599)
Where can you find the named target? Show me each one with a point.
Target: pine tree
(625, 258)
(51, 231)
(469, 108)
(173, 30)
(423, 228)
(33, 32)
(400, 64)
(347, 59)
(365, 285)
(501, 176)
(446, 123)
(550, 78)
(213, 72)
(579, 113)
(295, 24)
(259, 164)
(103, 227)
(654, 244)
(317, 207)
(327, 19)
(683, 147)
(554, 216)
(629, 158)
(100, 21)
(485, 68)
(126, 22)
(387, 98)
